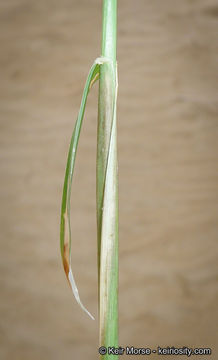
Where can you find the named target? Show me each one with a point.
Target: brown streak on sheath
(66, 254)
(94, 80)
(65, 259)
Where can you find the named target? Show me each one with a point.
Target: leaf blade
(65, 227)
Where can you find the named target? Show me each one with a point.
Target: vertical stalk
(107, 184)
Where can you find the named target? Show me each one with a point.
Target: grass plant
(104, 69)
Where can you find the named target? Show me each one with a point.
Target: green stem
(107, 184)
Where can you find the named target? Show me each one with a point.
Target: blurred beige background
(168, 175)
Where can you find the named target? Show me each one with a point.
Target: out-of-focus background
(168, 175)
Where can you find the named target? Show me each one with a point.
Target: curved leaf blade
(65, 228)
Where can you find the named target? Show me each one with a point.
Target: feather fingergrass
(104, 69)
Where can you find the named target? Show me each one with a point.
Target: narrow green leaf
(65, 228)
